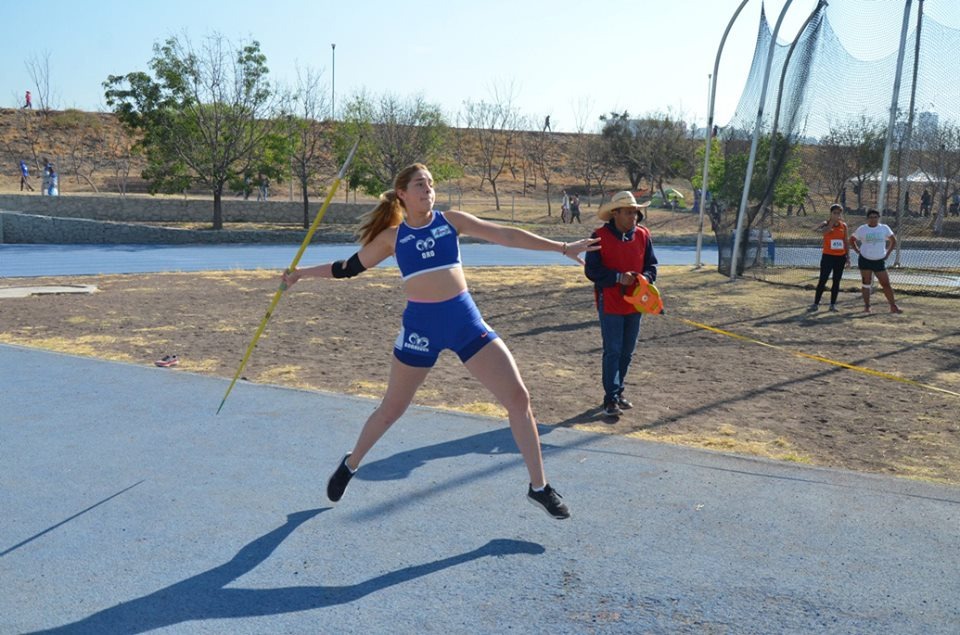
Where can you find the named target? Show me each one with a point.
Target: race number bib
(836, 243)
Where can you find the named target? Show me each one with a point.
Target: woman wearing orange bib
(836, 256)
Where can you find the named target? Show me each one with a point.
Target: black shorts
(871, 265)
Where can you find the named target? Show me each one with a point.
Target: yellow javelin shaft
(293, 265)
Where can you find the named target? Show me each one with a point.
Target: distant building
(927, 123)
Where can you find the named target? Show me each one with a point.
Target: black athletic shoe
(611, 408)
(338, 481)
(549, 501)
(623, 403)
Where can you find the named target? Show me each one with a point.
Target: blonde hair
(389, 211)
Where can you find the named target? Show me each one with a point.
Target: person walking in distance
(575, 209)
(873, 243)
(25, 176)
(626, 253)
(440, 314)
(835, 256)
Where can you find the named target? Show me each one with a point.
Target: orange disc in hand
(644, 296)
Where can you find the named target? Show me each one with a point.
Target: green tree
(654, 147)
(394, 133)
(715, 176)
(627, 143)
(669, 148)
(786, 186)
(204, 117)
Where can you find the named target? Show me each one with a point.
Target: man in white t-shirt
(873, 243)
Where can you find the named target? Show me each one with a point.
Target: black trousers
(830, 264)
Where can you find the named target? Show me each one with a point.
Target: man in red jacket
(626, 252)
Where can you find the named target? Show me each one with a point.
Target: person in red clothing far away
(626, 254)
(27, 101)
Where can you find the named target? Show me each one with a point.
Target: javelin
(293, 265)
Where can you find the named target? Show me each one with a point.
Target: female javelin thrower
(440, 314)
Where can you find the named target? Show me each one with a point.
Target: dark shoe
(549, 501)
(338, 481)
(833, 308)
(167, 361)
(813, 308)
(611, 409)
(623, 403)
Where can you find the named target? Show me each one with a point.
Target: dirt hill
(93, 154)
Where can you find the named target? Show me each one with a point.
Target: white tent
(919, 176)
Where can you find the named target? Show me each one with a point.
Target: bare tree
(545, 156)
(525, 155)
(493, 126)
(27, 144)
(461, 138)
(604, 164)
(38, 67)
(86, 144)
(122, 149)
(589, 156)
(850, 152)
(940, 158)
(309, 142)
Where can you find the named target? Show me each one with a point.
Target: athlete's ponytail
(389, 211)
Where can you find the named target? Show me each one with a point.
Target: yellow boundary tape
(818, 358)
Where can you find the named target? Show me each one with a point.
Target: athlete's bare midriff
(435, 286)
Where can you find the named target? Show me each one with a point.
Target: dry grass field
(876, 392)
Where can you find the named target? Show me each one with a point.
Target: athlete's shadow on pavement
(204, 596)
(400, 465)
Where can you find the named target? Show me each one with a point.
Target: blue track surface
(63, 260)
(127, 505)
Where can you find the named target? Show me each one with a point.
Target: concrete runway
(127, 505)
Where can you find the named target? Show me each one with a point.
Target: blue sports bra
(428, 248)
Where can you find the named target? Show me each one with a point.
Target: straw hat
(620, 199)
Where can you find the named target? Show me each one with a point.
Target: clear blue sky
(564, 58)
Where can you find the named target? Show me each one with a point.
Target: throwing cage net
(823, 135)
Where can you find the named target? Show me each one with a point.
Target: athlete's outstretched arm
(470, 225)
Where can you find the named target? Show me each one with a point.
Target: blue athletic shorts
(430, 327)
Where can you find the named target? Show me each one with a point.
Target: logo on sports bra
(418, 343)
(406, 239)
(440, 232)
(425, 247)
